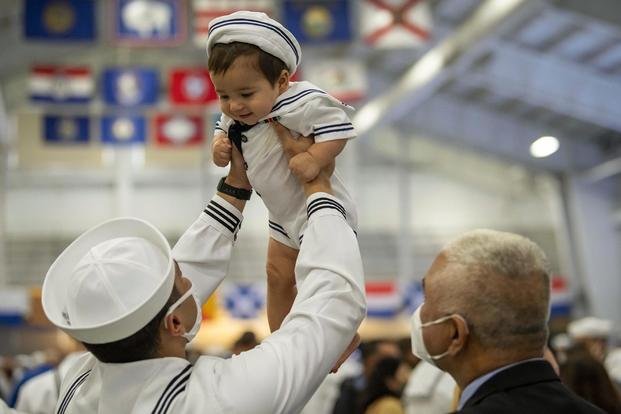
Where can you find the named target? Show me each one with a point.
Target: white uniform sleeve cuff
(319, 204)
(223, 215)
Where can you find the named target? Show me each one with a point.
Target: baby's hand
(221, 150)
(304, 166)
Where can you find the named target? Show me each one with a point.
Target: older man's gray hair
(500, 283)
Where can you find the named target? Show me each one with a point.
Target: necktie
(235, 134)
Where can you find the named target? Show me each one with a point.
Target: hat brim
(58, 278)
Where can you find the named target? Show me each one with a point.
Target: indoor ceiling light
(544, 147)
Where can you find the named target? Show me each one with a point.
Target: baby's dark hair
(223, 55)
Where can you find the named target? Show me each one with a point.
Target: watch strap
(238, 193)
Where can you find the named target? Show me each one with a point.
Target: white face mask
(418, 343)
(199, 314)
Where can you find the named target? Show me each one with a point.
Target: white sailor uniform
(305, 109)
(281, 374)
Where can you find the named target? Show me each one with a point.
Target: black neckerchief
(235, 133)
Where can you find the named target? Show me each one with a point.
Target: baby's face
(245, 94)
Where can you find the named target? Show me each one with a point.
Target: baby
(251, 58)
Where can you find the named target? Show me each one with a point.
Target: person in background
(246, 342)
(39, 394)
(586, 376)
(593, 333)
(484, 321)
(429, 390)
(382, 395)
(613, 366)
(350, 389)
(405, 345)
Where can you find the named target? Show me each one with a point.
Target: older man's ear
(460, 336)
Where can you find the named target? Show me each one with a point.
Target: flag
(560, 297)
(130, 87)
(244, 300)
(413, 296)
(150, 23)
(318, 21)
(383, 299)
(178, 130)
(345, 79)
(61, 84)
(395, 23)
(207, 10)
(65, 129)
(59, 20)
(123, 130)
(191, 86)
(14, 305)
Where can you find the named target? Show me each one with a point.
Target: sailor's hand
(294, 146)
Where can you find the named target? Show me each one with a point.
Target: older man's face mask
(418, 342)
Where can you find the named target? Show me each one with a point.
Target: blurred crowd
(381, 377)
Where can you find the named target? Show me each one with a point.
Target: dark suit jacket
(528, 388)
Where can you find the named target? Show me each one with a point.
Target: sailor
(135, 304)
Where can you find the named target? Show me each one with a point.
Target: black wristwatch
(239, 193)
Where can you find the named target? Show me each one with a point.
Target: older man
(484, 321)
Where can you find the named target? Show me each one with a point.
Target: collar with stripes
(175, 387)
(71, 392)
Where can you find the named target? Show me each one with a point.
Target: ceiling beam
(544, 80)
(430, 72)
(473, 125)
(604, 170)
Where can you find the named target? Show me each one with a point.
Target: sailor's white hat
(589, 327)
(257, 29)
(110, 282)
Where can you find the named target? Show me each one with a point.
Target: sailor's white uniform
(278, 376)
(305, 109)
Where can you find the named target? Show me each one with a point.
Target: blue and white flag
(413, 296)
(59, 20)
(15, 305)
(318, 21)
(64, 129)
(150, 22)
(244, 300)
(123, 129)
(130, 87)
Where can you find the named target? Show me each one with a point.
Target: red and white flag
(207, 10)
(384, 300)
(345, 79)
(561, 297)
(178, 130)
(191, 86)
(395, 23)
(61, 84)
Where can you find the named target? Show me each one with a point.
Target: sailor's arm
(204, 251)
(282, 373)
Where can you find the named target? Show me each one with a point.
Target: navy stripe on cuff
(223, 216)
(322, 203)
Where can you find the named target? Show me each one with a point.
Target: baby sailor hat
(256, 29)
(110, 282)
(589, 327)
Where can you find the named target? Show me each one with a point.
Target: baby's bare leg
(281, 289)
